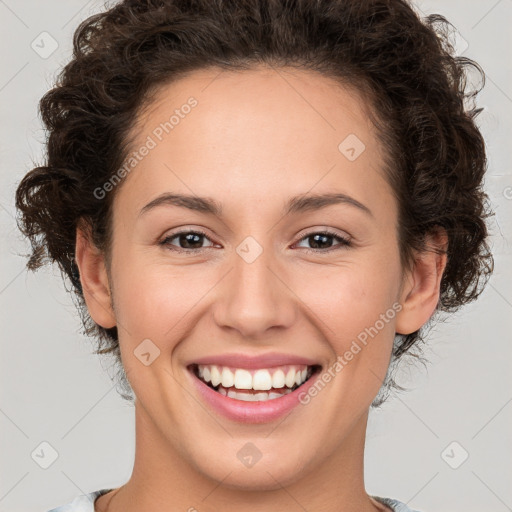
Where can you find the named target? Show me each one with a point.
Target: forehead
(256, 133)
(273, 100)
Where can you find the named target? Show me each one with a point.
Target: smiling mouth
(254, 385)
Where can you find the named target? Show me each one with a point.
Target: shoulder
(395, 505)
(82, 503)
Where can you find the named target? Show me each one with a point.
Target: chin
(233, 467)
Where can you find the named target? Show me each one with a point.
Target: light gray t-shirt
(85, 503)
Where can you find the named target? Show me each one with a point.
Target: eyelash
(344, 242)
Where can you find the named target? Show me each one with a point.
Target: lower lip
(251, 412)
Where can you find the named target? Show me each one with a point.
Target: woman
(259, 205)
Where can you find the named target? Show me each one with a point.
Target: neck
(162, 479)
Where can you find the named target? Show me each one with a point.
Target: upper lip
(267, 360)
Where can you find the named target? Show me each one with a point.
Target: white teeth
(253, 397)
(260, 380)
(278, 379)
(243, 379)
(290, 378)
(228, 378)
(216, 376)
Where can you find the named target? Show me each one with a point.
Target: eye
(321, 238)
(191, 239)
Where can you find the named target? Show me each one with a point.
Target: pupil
(316, 237)
(187, 239)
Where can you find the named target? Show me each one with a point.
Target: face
(257, 284)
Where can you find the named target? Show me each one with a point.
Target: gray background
(54, 390)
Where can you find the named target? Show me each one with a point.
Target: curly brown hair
(405, 65)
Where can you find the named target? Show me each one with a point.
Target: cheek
(359, 326)
(153, 300)
(352, 299)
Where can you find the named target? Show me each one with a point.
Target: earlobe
(421, 291)
(94, 279)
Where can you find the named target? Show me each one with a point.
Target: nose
(255, 297)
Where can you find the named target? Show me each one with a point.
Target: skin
(255, 139)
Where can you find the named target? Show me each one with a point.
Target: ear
(421, 289)
(94, 279)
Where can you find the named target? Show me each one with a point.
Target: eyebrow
(297, 204)
(303, 203)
